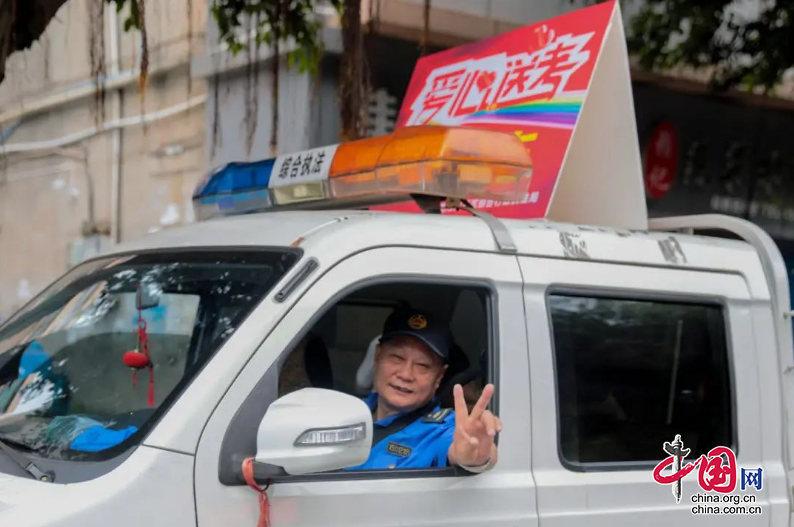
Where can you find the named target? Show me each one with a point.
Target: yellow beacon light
(433, 160)
(439, 161)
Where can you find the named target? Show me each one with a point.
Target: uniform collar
(372, 402)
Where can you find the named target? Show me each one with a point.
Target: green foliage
(133, 20)
(748, 44)
(287, 20)
(273, 20)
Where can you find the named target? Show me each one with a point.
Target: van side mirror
(314, 430)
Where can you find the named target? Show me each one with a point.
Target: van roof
(344, 232)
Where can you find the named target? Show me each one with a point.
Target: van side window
(338, 350)
(631, 374)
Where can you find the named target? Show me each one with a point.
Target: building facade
(73, 180)
(77, 174)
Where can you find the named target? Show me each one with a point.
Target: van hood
(161, 479)
(20, 490)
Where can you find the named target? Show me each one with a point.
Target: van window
(631, 374)
(66, 388)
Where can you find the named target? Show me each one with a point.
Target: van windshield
(90, 364)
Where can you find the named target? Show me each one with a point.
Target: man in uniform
(410, 429)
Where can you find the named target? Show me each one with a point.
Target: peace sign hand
(473, 441)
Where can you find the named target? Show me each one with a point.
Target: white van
(603, 344)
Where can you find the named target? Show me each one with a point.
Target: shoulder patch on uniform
(398, 450)
(437, 416)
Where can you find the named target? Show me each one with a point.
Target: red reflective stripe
(143, 346)
(264, 504)
(150, 398)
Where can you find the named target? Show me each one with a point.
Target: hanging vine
(137, 19)
(144, 69)
(351, 82)
(277, 31)
(189, 47)
(369, 42)
(425, 29)
(249, 118)
(252, 81)
(277, 23)
(96, 53)
(216, 114)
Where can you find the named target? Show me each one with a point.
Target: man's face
(407, 373)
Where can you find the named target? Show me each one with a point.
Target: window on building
(631, 374)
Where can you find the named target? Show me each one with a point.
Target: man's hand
(473, 442)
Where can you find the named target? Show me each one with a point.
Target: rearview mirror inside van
(147, 296)
(315, 430)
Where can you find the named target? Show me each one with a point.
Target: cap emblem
(417, 322)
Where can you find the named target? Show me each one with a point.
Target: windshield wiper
(25, 463)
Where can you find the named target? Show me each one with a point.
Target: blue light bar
(237, 177)
(246, 187)
(237, 187)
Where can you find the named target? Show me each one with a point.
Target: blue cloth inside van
(98, 438)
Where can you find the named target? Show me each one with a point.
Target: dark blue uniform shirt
(422, 444)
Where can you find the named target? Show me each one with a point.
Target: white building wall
(48, 95)
(228, 140)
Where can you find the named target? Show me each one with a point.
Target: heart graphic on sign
(485, 79)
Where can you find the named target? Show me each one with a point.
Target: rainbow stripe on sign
(553, 113)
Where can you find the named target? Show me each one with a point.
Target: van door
(502, 496)
(622, 359)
